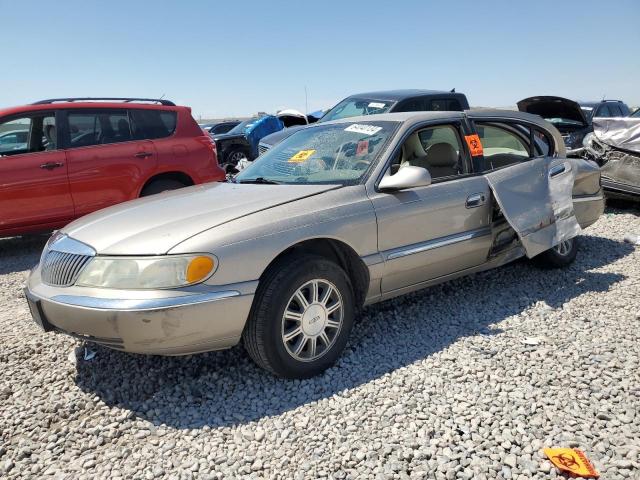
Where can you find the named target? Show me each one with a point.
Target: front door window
(28, 134)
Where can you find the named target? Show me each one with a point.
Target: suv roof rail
(611, 100)
(161, 101)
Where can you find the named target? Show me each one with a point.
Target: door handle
(51, 165)
(557, 170)
(143, 154)
(475, 200)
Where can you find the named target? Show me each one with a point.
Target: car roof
(410, 119)
(395, 95)
(417, 117)
(402, 117)
(73, 105)
(596, 103)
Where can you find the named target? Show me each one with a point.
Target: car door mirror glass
(406, 177)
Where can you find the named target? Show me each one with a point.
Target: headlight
(147, 272)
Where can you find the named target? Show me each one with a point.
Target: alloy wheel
(563, 248)
(312, 320)
(235, 157)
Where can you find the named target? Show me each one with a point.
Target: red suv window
(150, 124)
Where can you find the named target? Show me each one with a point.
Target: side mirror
(406, 177)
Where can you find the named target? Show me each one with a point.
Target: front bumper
(171, 323)
(620, 190)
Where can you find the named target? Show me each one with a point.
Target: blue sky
(236, 58)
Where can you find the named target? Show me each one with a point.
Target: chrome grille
(61, 269)
(262, 148)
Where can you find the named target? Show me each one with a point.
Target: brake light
(208, 142)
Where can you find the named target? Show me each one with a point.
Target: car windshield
(562, 121)
(636, 113)
(335, 154)
(355, 107)
(240, 127)
(587, 111)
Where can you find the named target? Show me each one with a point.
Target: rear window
(445, 104)
(98, 127)
(150, 124)
(615, 111)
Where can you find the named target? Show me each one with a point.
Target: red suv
(63, 158)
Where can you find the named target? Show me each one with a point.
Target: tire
(234, 155)
(559, 256)
(159, 186)
(265, 334)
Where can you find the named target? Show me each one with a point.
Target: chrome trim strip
(140, 305)
(592, 198)
(437, 243)
(67, 244)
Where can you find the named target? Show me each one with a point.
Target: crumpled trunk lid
(536, 199)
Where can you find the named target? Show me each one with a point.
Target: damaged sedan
(615, 146)
(340, 215)
(573, 119)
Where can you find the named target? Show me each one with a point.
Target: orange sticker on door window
(475, 146)
(302, 156)
(571, 460)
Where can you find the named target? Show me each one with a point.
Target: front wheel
(301, 317)
(559, 256)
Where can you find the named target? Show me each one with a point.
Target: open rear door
(536, 199)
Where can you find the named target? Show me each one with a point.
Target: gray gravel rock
(467, 380)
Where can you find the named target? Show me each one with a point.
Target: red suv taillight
(208, 142)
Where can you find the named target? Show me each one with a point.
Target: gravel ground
(466, 380)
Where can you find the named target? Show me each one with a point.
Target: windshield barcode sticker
(376, 105)
(366, 129)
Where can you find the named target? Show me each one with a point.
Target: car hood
(153, 225)
(277, 137)
(227, 136)
(553, 107)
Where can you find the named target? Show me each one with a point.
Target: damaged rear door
(535, 197)
(532, 188)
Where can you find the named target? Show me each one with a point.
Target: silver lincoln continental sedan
(338, 216)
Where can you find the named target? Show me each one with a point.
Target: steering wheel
(361, 165)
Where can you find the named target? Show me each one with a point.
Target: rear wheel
(559, 256)
(301, 317)
(159, 186)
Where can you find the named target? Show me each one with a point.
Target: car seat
(124, 133)
(51, 137)
(442, 160)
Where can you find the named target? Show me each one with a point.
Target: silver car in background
(340, 215)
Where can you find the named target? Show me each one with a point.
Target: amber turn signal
(199, 268)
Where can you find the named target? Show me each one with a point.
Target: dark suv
(63, 158)
(381, 102)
